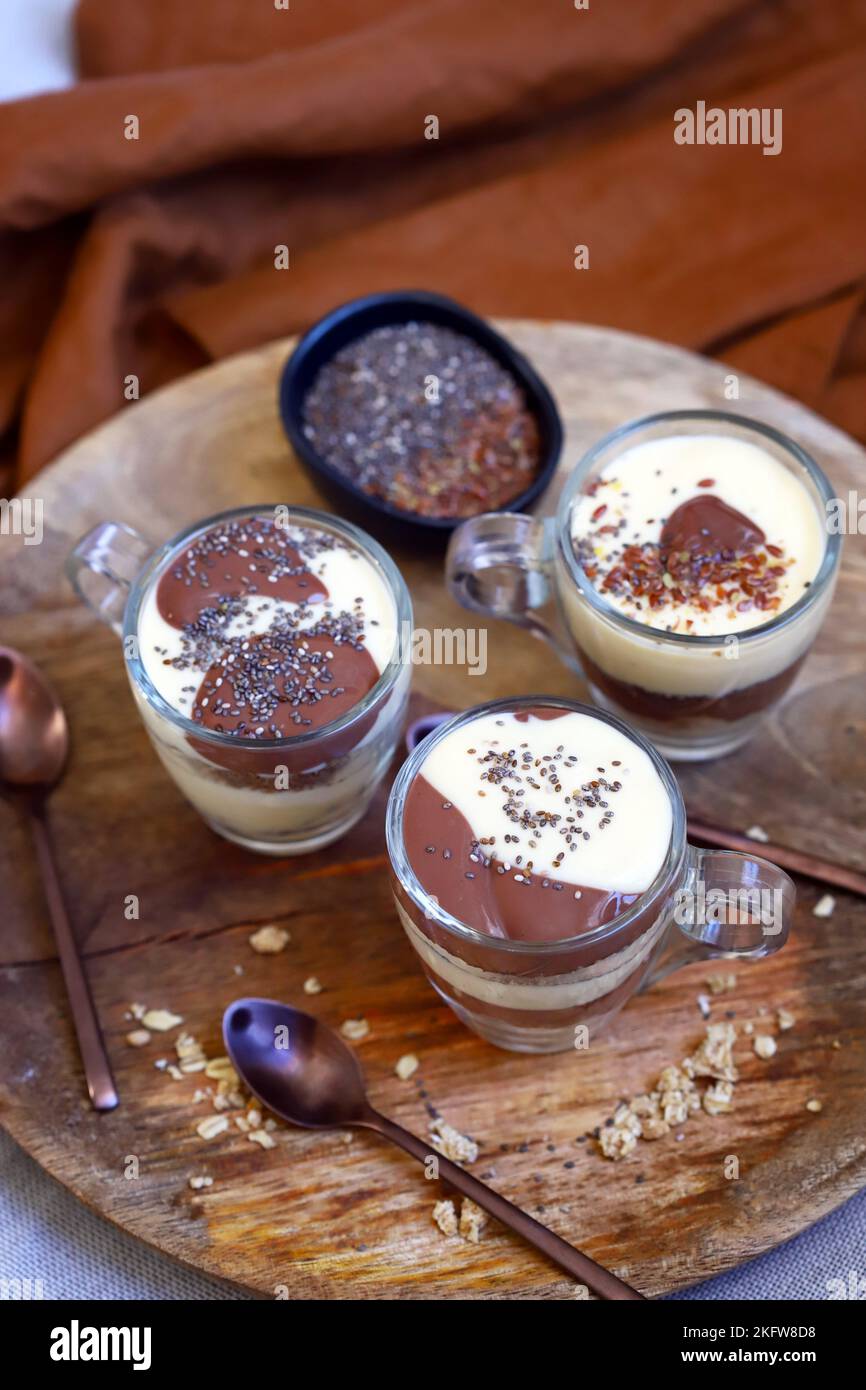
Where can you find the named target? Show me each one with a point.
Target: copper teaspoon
(34, 743)
(305, 1073)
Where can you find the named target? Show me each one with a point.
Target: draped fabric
(466, 146)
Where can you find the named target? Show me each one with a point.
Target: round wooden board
(320, 1216)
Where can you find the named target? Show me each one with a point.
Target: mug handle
(730, 906)
(103, 567)
(501, 564)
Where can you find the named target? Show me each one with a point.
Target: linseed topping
(689, 565)
(701, 534)
(425, 419)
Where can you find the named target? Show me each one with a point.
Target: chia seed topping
(425, 419)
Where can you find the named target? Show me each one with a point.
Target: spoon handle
(600, 1281)
(97, 1070)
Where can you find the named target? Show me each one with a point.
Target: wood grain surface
(320, 1215)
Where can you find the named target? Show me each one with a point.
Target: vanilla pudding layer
(654, 491)
(507, 766)
(536, 826)
(573, 989)
(262, 811)
(273, 792)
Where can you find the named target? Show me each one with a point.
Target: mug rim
(668, 871)
(823, 578)
(387, 677)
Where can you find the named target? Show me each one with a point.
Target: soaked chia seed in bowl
(424, 418)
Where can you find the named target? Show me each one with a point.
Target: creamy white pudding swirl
(537, 824)
(701, 535)
(262, 631)
(259, 631)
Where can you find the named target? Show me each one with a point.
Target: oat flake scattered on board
(269, 941)
(765, 1046)
(355, 1029)
(446, 1218)
(212, 1126)
(312, 986)
(407, 1065)
(825, 906)
(757, 832)
(473, 1219)
(161, 1020)
(451, 1143)
(139, 1037)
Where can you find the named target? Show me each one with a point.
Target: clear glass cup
(695, 697)
(557, 995)
(280, 796)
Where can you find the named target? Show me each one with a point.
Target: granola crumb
(200, 1180)
(785, 1020)
(270, 940)
(355, 1029)
(407, 1065)
(160, 1020)
(714, 1056)
(757, 832)
(174, 1072)
(212, 1126)
(825, 906)
(220, 1069)
(452, 1144)
(190, 1053)
(139, 1037)
(815, 1106)
(721, 984)
(446, 1218)
(675, 1096)
(262, 1138)
(137, 1011)
(619, 1139)
(765, 1046)
(719, 1098)
(473, 1219)
(312, 985)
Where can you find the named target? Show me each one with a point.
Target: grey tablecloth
(46, 1235)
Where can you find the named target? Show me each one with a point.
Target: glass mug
(684, 692)
(278, 796)
(534, 996)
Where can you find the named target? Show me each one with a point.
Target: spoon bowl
(34, 736)
(295, 1065)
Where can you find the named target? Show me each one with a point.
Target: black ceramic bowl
(354, 320)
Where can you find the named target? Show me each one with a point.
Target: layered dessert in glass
(268, 668)
(694, 571)
(536, 847)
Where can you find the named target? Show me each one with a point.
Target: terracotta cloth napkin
(305, 127)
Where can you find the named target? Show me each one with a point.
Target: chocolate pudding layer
(255, 642)
(694, 536)
(665, 709)
(262, 631)
(535, 828)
